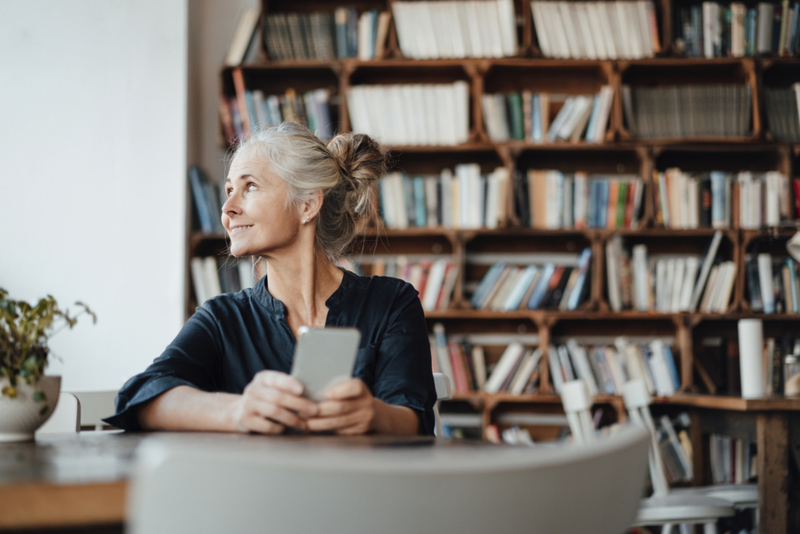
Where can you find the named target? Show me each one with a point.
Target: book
(245, 37)
(705, 270)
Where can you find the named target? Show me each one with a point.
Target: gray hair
(346, 171)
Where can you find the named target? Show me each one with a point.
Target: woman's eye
(251, 187)
(228, 192)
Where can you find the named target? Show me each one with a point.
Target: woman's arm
(269, 403)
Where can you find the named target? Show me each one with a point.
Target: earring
(305, 221)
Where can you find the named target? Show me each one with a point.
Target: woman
(295, 203)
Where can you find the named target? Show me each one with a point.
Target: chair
(94, 406)
(577, 401)
(65, 418)
(665, 508)
(190, 483)
(443, 392)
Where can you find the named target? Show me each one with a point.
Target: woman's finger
(347, 390)
(301, 405)
(255, 423)
(272, 411)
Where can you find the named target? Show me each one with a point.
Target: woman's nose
(231, 206)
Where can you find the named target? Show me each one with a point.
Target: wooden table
(66, 481)
(773, 424)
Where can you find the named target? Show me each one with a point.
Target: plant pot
(20, 416)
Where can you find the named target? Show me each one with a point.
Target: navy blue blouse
(233, 336)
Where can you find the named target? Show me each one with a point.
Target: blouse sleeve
(403, 372)
(192, 359)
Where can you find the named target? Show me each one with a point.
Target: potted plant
(27, 397)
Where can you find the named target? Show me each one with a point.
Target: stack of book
(736, 30)
(556, 200)
(767, 199)
(507, 287)
(464, 199)
(688, 110)
(772, 284)
(411, 114)
(732, 460)
(607, 367)
(325, 36)
(448, 29)
(311, 108)
(782, 111)
(668, 283)
(596, 30)
(208, 200)
(676, 447)
(434, 279)
(692, 200)
(526, 116)
(214, 276)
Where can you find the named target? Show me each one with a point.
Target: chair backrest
(65, 418)
(444, 391)
(577, 401)
(637, 402)
(94, 406)
(185, 483)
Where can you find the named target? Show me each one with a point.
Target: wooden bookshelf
(618, 152)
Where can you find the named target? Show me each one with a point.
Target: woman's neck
(303, 285)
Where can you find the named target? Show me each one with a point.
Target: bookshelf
(749, 145)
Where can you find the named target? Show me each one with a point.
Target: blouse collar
(277, 307)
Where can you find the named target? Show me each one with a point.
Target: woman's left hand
(348, 409)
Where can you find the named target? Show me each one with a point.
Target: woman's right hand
(270, 403)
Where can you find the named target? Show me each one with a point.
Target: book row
(596, 30)
(773, 285)
(688, 110)
(694, 200)
(526, 116)
(732, 460)
(465, 198)
(451, 29)
(766, 199)
(434, 279)
(605, 367)
(411, 114)
(782, 112)
(214, 276)
(711, 29)
(551, 199)
(343, 33)
(311, 108)
(670, 284)
(549, 285)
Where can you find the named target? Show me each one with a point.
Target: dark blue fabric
(233, 336)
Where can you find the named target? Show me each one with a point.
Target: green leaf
(43, 410)
(39, 397)
(10, 392)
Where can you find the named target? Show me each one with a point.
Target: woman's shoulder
(223, 304)
(383, 292)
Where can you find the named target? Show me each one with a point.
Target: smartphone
(324, 357)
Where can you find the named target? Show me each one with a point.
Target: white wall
(93, 145)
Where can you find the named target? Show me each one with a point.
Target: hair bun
(362, 162)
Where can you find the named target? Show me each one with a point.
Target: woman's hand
(270, 403)
(348, 409)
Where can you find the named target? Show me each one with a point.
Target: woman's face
(256, 214)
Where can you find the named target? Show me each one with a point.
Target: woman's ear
(310, 208)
